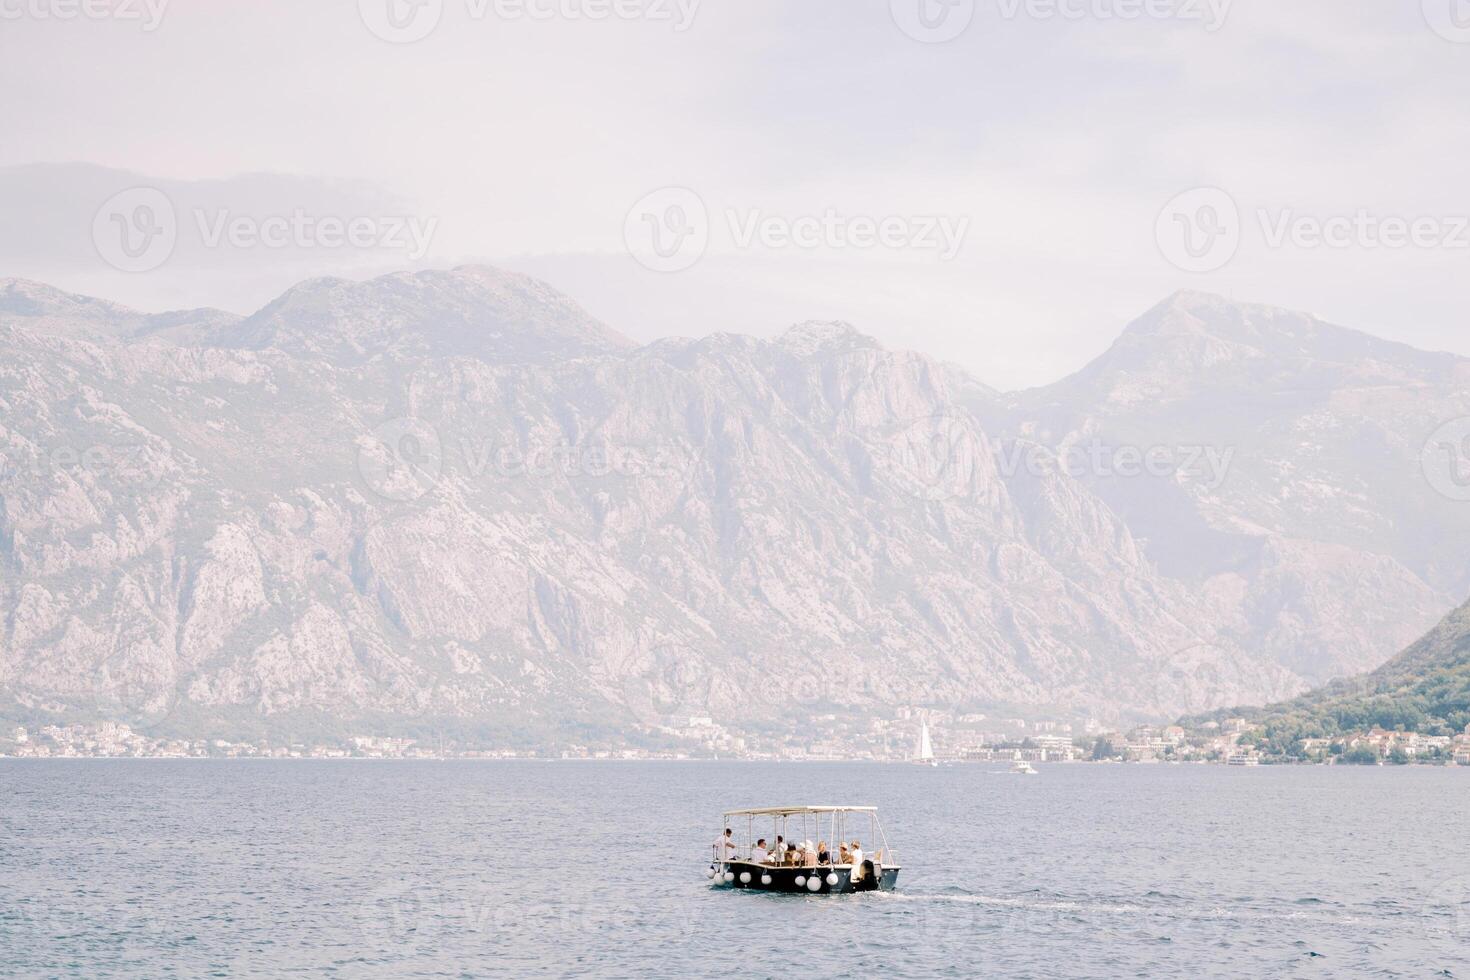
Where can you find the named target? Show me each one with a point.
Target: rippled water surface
(457, 869)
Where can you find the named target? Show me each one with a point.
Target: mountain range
(456, 497)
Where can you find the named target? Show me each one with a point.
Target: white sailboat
(924, 753)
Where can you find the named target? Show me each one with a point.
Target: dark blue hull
(783, 879)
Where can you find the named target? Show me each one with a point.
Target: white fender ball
(729, 876)
(800, 881)
(765, 879)
(832, 878)
(745, 877)
(814, 884)
(710, 873)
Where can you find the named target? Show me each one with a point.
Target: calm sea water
(460, 869)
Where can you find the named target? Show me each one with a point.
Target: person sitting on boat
(760, 855)
(808, 854)
(824, 856)
(843, 857)
(793, 856)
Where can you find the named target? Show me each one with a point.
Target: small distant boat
(924, 751)
(1023, 768)
(739, 868)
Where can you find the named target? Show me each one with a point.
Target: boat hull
(783, 879)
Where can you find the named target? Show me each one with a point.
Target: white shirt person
(725, 848)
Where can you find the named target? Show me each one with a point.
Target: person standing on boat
(857, 861)
(725, 849)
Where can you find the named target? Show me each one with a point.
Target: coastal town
(956, 739)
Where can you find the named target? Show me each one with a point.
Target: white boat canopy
(812, 822)
(786, 811)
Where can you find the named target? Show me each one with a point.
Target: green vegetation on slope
(1425, 689)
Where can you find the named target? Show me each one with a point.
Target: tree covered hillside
(1424, 689)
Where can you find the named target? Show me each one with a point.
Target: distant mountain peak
(1188, 338)
(42, 309)
(818, 336)
(1198, 299)
(472, 311)
(27, 298)
(492, 275)
(1187, 301)
(1191, 313)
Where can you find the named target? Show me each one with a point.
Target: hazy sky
(1051, 133)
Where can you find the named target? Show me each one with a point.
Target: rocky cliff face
(1325, 536)
(455, 495)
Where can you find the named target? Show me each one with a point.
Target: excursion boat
(1023, 768)
(738, 868)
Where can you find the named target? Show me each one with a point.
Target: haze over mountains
(454, 495)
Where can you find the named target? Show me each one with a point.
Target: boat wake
(1154, 904)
